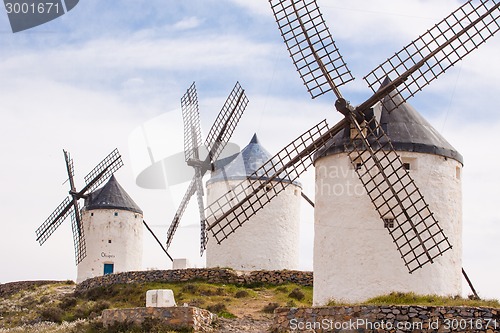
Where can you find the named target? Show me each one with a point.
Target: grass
(48, 307)
(398, 298)
(56, 308)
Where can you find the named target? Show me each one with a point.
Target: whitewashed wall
(268, 241)
(125, 250)
(354, 256)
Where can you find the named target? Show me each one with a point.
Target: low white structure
(113, 230)
(270, 239)
(160, 298)
(180, 263)
(354, 256)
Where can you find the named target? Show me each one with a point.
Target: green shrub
(241, 294)
(282, 289)
(297, 294)
(270, 307)
(68, 302)
(53, 314)
(190, 288)
(216, 308)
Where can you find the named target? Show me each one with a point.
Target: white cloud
(187, 23)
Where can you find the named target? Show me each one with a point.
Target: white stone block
(161, 298)
(182, 263)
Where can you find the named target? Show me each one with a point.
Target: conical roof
(407, 129)
(111, 196)
(242, 167)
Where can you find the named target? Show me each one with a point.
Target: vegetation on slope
(398, 298)
(57, 303)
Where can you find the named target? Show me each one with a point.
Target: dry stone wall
(211, 275)
(10, 288)
(377, 319)
(178, 318)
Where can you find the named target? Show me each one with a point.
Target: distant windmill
(217, 138)
(70, 205)
(414, 229)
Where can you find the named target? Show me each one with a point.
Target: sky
(108, 75)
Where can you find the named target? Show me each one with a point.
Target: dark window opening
(359, 165)
(91, 214)
(407, 166)
(109, 241)
(116, 213)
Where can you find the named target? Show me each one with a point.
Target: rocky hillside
(48, 306)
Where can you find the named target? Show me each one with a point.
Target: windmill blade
(201, 208)
(180, 211)
(226, 122)
(416, 232)
(430, 55)
(311, 46)
(230, 211)
(78, 236)
(70, 168)
(54, 221)
(109, 165)
(191, 119)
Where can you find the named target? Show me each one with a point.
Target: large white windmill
(353, 259)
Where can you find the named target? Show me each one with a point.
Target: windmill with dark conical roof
(107, 232)
(270, 240)
(112, 223)
(408, 204)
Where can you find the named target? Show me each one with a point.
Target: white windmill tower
(107, 232)
(405, 212)
(270, 241)
(346, 223)
(113, 226)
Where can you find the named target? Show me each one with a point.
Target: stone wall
(10, 288)
(178, 318)
(211, 275)
(371, 319)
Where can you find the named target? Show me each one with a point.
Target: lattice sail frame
(311, 46)
(226, 122)
(394, 194)
(105, 169)
(192, 126)
(430, 55)
(233, 209)
(54, 220)
(78, 236)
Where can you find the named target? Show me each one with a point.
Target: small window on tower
(91, 214)
(409, 163)
(388, 223)
(359, 165)
(109, 241)
(116, 213)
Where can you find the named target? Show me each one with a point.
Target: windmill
(70, 205)
(217, 138)
(416, 233)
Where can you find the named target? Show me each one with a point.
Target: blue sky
(105, 76)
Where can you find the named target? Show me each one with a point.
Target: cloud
(187, 23)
